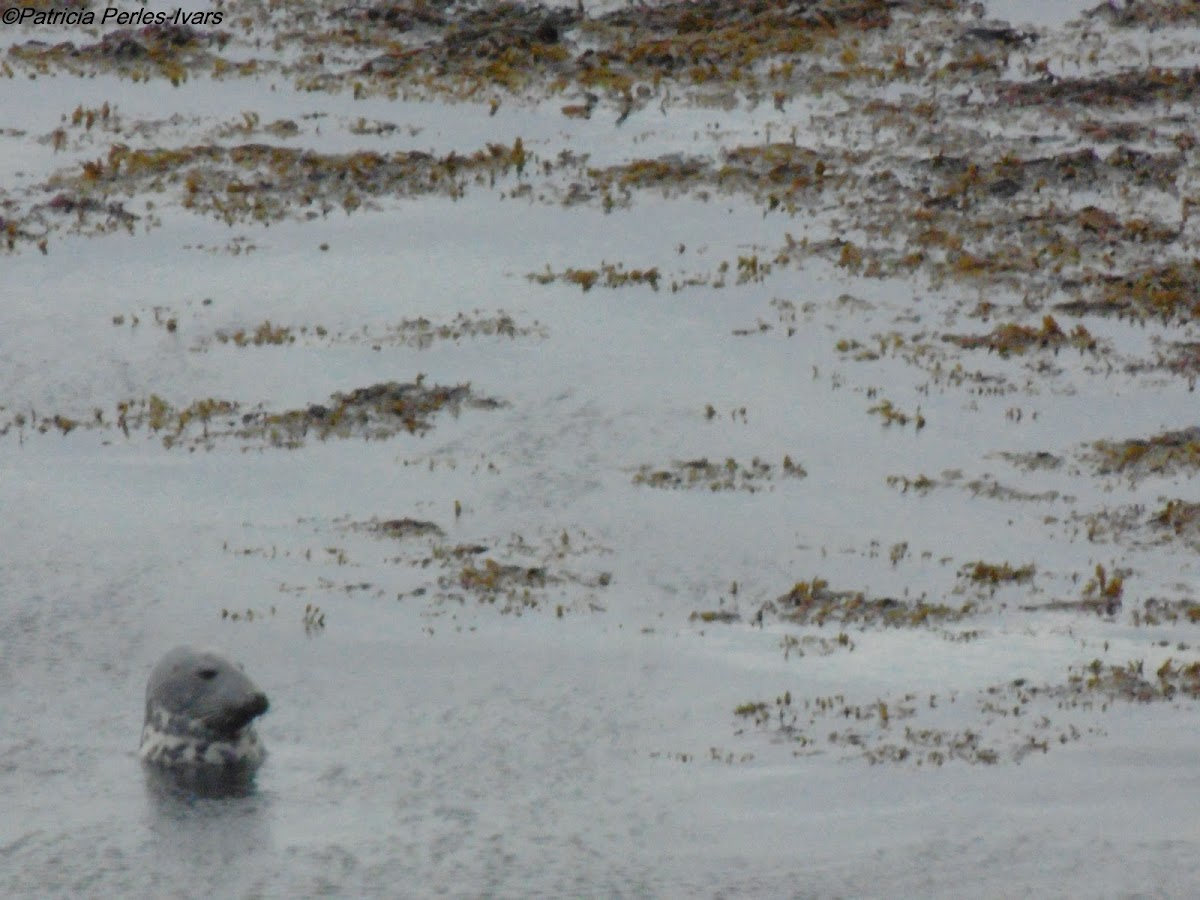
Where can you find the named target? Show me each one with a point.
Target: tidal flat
(673, 449)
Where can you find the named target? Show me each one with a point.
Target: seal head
(199, 710)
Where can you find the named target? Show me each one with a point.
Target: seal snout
(228, 722)
(259, 703)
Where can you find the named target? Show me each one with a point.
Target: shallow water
(579, 739)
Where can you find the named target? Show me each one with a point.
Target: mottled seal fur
(199, 713)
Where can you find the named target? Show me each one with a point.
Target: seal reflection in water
(198, 732)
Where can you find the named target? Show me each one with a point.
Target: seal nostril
(207, 674)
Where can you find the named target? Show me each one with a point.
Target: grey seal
(199, 713)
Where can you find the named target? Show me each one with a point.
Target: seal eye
(207, 674)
